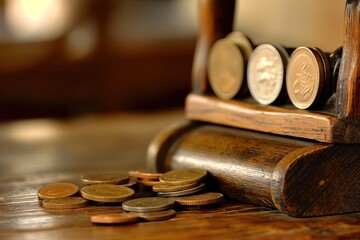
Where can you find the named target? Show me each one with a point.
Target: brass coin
(200, 199)
(105, 178)
(148, 204)
(65, 203)
(157, 216)
(57, 190)
(225, 68)
(243, 42)
(305, 77)
(114, 218)
(145, 175)
(266, 73)
(166, 187)
(183, 192)
(131, 183)
(183, 176)
(107, 193)
(148, 182)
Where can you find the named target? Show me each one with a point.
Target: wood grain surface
(36, 152)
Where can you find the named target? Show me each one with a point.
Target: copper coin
(148, 182)
(148, 204)
(105, 178)
(305, 77)
(57, 190)
(107, 193)
(266, 73)
(225, 68)
(114, 218)
(158, 215)
(145, 175)
(166, 187)
(183, 176)
(189, 191)
(200, 199)
(65, 203)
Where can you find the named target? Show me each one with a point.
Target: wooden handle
(216, 21)
(348, 94)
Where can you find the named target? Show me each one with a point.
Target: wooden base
(279, 120)
(300, 178)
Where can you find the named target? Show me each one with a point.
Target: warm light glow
(36, 19)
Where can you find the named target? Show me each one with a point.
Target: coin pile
(181, 187)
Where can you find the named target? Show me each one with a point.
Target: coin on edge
(200, 199)
(183, 176)
(157, 216)
(114, 218)
(266, 73)
(148, 204)
(57, 190)
(105, 178)
(305, 77)
(107, 193)
(65, 203)
(226, 68)
(193, 190)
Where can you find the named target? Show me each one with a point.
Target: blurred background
(63, 58)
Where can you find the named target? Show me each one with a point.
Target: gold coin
(225, 68)
(148, 182)
(166, 187)
(200, 199)
(157, 216)
(192, 190)
(184, 176)
(305, 77)
(266, 73)
(114, 218)
(57, 190)
(131, 183)
(243, 42)
(105, 178)
(145, 175)
(107, 193)
(65, 203)
(148, 204)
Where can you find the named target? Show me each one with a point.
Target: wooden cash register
(302, 162)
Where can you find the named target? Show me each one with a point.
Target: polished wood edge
(159, 146)
(269, 119)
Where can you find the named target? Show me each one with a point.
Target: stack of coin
(145, 178)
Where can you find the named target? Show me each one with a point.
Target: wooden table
(37, 152)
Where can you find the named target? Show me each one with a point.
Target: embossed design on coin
(107, 193)
(266, 73)
(225, 68)
(57, 190)
(304, 77)
(148, 204)
(65, 203)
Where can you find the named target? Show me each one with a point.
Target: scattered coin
(65, 203)
(105, 178)
(57, 190)
(114, 218)
(166, 187)
(131, 183)
(148, 204)
(266, 73)
(226, 68)
(200, 199)
(193, 190)
(158, 215)
(145, 175)
(107, 193)
(148, 182)
(183, 176)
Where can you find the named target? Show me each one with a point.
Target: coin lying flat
(225, 68)
(305, 77)
(157, 216)
(166, 187)
(266, 73)
(145, 175)
(105, 178)
(148, 182)
(114, 218)
(65, 203)
(183, 176)
(200, 199)
(148, 204)
(107, 193)
(192, 190)
(131, 183)
(57, 190)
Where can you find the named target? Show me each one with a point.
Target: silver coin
(196, 189)
(148, 204)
